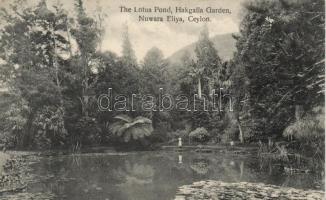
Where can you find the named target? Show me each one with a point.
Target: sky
(167, 36)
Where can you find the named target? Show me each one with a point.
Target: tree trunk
(241, 169)
(69, 40)
(298, 112)
(240, 132)
(85, 85)
(210, 87)
(56, 66)
(28, 134)
(199, 88)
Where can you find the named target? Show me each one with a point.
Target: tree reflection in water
(152, 175)
(135, 173)
(200, 166)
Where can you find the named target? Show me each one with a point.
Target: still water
(150, 175)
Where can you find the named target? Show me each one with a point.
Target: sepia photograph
(162, 100)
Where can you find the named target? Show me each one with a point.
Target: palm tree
(134, 128)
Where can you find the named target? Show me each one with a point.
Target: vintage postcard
(162, 100)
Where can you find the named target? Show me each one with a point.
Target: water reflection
(180, 159)
(135, 173)
(200, 166)
(151, 175)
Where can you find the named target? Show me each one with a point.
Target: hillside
(224, 44)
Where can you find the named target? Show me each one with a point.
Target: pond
(150, 175)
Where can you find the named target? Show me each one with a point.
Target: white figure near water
(180, 142)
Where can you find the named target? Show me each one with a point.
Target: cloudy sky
(169, 37)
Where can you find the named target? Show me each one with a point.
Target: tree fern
(131, 128)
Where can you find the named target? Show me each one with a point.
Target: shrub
(309, 131)
(49, 127)
(178, 133)
(230, 133)
(309, 128)
(12, 123)
(87, 131)
(200, 134)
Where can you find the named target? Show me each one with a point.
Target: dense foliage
(279, 63)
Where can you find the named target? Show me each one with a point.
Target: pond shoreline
(214, 148)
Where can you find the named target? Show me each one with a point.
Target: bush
(87, 131)
(200, 134)
(49, 127)
(12, 123)
(230, 133)
(309, 130)
(178, 133)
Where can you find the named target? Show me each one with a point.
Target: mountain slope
(224, 44)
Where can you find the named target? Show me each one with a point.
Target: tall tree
(280, 48)
(87, 36)
(128, 54)
(208, 62)
(154, 76)
(35, 71)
